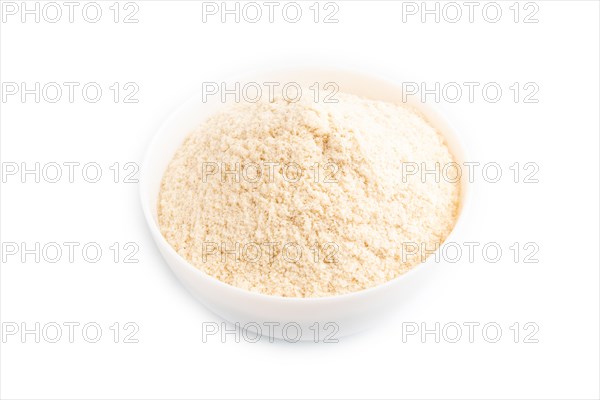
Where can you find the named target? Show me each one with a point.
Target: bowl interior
(187, 117)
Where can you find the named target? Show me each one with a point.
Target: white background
(168, 54)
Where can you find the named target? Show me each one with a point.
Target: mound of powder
(307, 199)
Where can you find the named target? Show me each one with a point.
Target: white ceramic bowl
(290, 318)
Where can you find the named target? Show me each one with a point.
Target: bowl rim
(161, 242)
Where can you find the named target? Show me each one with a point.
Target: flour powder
(308, 199)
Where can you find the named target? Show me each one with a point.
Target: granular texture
(308, 199)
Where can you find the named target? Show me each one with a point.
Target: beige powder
(242, 199)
